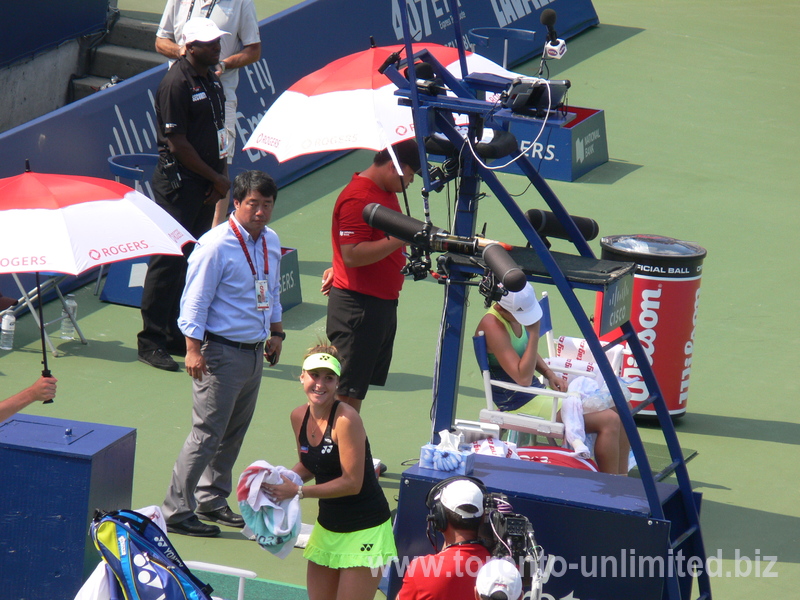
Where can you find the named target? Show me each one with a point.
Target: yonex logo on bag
(147, 573)
(366, 547)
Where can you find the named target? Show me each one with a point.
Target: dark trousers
(166, 275)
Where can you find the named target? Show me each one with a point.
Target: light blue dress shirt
(220, 292)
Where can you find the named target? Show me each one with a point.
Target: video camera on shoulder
(510, 535)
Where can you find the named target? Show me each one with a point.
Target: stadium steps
(129, 49)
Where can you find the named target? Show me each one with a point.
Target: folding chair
(523, 423)
(137, 168)
(242, 574)
(28, 297)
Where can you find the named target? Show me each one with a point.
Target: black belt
(238, 345)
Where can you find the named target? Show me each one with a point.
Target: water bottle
(67, 327)
(7, 335)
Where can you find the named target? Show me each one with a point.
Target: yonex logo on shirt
(366, 547)
(326, 449)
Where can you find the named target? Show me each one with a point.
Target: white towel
(574, 431)
(275, 525)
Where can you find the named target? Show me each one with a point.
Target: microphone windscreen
(394, 223)
(422, 70)
(503, 266)
(548, 17)
(546, 224)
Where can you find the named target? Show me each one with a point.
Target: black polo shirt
(194, 106)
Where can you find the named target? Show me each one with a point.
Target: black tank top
(366, 509)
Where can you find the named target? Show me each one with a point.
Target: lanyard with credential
(239, 237)
(208, 12)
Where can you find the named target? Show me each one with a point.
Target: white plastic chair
(242, 574)
(523, 423)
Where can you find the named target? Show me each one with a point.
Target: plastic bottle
(67, 328)
(7, 335)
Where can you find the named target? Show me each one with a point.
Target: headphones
(437, 518)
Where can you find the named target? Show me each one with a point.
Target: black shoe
(158, 359)
(379, 467)
(223, 516)
(194, 527)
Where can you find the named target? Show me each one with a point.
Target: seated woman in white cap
(498, 579)
(353, 537)
(511, 327)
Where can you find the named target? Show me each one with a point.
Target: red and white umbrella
(348, 104)
(71, 224)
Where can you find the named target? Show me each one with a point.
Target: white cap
(499, 575)
(463, 497)
(523, 305)
(201, 29)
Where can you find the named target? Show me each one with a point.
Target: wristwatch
(280, 334)
(222, 67)
(300, 492)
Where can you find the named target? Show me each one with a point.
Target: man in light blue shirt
(230, 306)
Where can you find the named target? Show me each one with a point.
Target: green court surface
(701, 106)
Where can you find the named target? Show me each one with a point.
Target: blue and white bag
(144, 562)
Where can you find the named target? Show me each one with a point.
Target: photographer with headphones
(456, 508)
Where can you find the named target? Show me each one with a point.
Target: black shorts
(362, 328)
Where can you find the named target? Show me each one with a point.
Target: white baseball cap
(464, 498)
(201, 29)
(523, 305)
(499, 575)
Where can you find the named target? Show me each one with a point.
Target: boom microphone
(548, 19)
(554, 48)
(411, 230)
(547, 225)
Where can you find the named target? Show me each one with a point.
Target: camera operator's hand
(327, 281)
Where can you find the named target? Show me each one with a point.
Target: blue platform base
(597, 535)
(55, 473)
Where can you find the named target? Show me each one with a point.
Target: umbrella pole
(45, 370)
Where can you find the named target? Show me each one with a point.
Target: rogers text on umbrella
(118, 249)
(23, 261)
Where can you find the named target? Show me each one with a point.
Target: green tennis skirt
(373, 547)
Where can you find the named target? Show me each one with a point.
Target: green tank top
(518, 343)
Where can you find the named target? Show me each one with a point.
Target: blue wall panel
(32, 27)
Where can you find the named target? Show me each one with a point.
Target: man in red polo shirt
(367, 278)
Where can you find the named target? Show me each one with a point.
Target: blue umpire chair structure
(575, 515)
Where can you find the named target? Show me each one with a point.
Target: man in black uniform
(188, 181)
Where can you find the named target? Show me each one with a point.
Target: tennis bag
(144, 562)
(553, 455)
